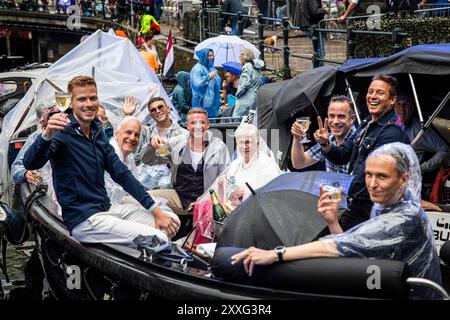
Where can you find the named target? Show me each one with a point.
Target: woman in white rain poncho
(397, 230)
(253, 165)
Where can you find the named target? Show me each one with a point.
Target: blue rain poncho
(399, 232)
(249, 83)
(205, 91)
(180, 95)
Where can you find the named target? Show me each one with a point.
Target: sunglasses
(158, 108)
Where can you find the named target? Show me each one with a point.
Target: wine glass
(62, 100)
(304, 123)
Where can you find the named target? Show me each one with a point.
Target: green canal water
(16, 259)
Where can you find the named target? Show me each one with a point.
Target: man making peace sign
(376, 130)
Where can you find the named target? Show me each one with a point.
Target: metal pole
(103, 9)
(132, 16)
(205, 24)
(431, 118)
(350, 43)
(315, 43)
(286, 69)
(396, 37)
(416, 99)
(261, 35)
(350, 92)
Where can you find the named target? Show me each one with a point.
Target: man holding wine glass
(80, 154)
(340, 122)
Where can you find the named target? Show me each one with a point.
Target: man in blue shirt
(376, 130)
(79, 152)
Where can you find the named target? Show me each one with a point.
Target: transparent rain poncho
(399, 232)
(261, 169)
(119, 71)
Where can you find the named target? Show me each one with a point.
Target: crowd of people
(95, 171)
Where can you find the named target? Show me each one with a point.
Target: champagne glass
(62, 100)
(304, 123)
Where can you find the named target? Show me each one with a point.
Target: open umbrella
(226, 48)
(300, 92)
(283, 212)
(233, 67)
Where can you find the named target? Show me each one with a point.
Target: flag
(169, 66)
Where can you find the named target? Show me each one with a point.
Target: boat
(107, 271)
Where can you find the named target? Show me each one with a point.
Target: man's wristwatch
(280, 250)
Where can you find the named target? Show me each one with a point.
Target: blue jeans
(235, 29)
(321, 47)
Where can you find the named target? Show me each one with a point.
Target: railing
(331, 42)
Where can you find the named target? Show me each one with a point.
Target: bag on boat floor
(352, 277)
(159, 249)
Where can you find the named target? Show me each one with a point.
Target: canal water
(16, 257)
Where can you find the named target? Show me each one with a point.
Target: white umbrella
(226, 48)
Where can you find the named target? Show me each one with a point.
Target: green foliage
(419, 30)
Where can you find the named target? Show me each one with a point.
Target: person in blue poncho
(206, 83)
(181, 95)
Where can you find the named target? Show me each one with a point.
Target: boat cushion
(354, 277)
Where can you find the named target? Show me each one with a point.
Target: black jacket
(311, 13)
(356, 151)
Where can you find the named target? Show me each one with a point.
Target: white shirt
(196, 157)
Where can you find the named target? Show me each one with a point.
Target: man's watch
(280, 250)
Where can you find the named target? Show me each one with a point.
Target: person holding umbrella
(249, 83)
(205, 83)
(397, 230)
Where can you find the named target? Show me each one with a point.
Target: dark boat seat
(351, 277)
(444, 253)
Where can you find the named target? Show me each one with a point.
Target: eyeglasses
(158, 108)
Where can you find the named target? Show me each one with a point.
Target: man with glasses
(158, 133)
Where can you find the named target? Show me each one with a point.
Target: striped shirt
(315, 153)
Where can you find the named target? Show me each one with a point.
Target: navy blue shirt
(369, 137)
(78, 166)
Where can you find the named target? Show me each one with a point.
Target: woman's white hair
(248, 54)
(125, 120)
(247, 130)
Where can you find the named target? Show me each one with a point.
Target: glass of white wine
(62, 100)
(304, 123)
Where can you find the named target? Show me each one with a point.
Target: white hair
(248, 130)
(125, 120)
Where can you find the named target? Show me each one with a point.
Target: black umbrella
(284, 212)
(300, 92)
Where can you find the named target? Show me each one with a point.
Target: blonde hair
(198, 110)
(80, 81)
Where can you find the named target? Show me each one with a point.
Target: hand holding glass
(62, 100)
(335, 190)
(304, 123)
(163, 150)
